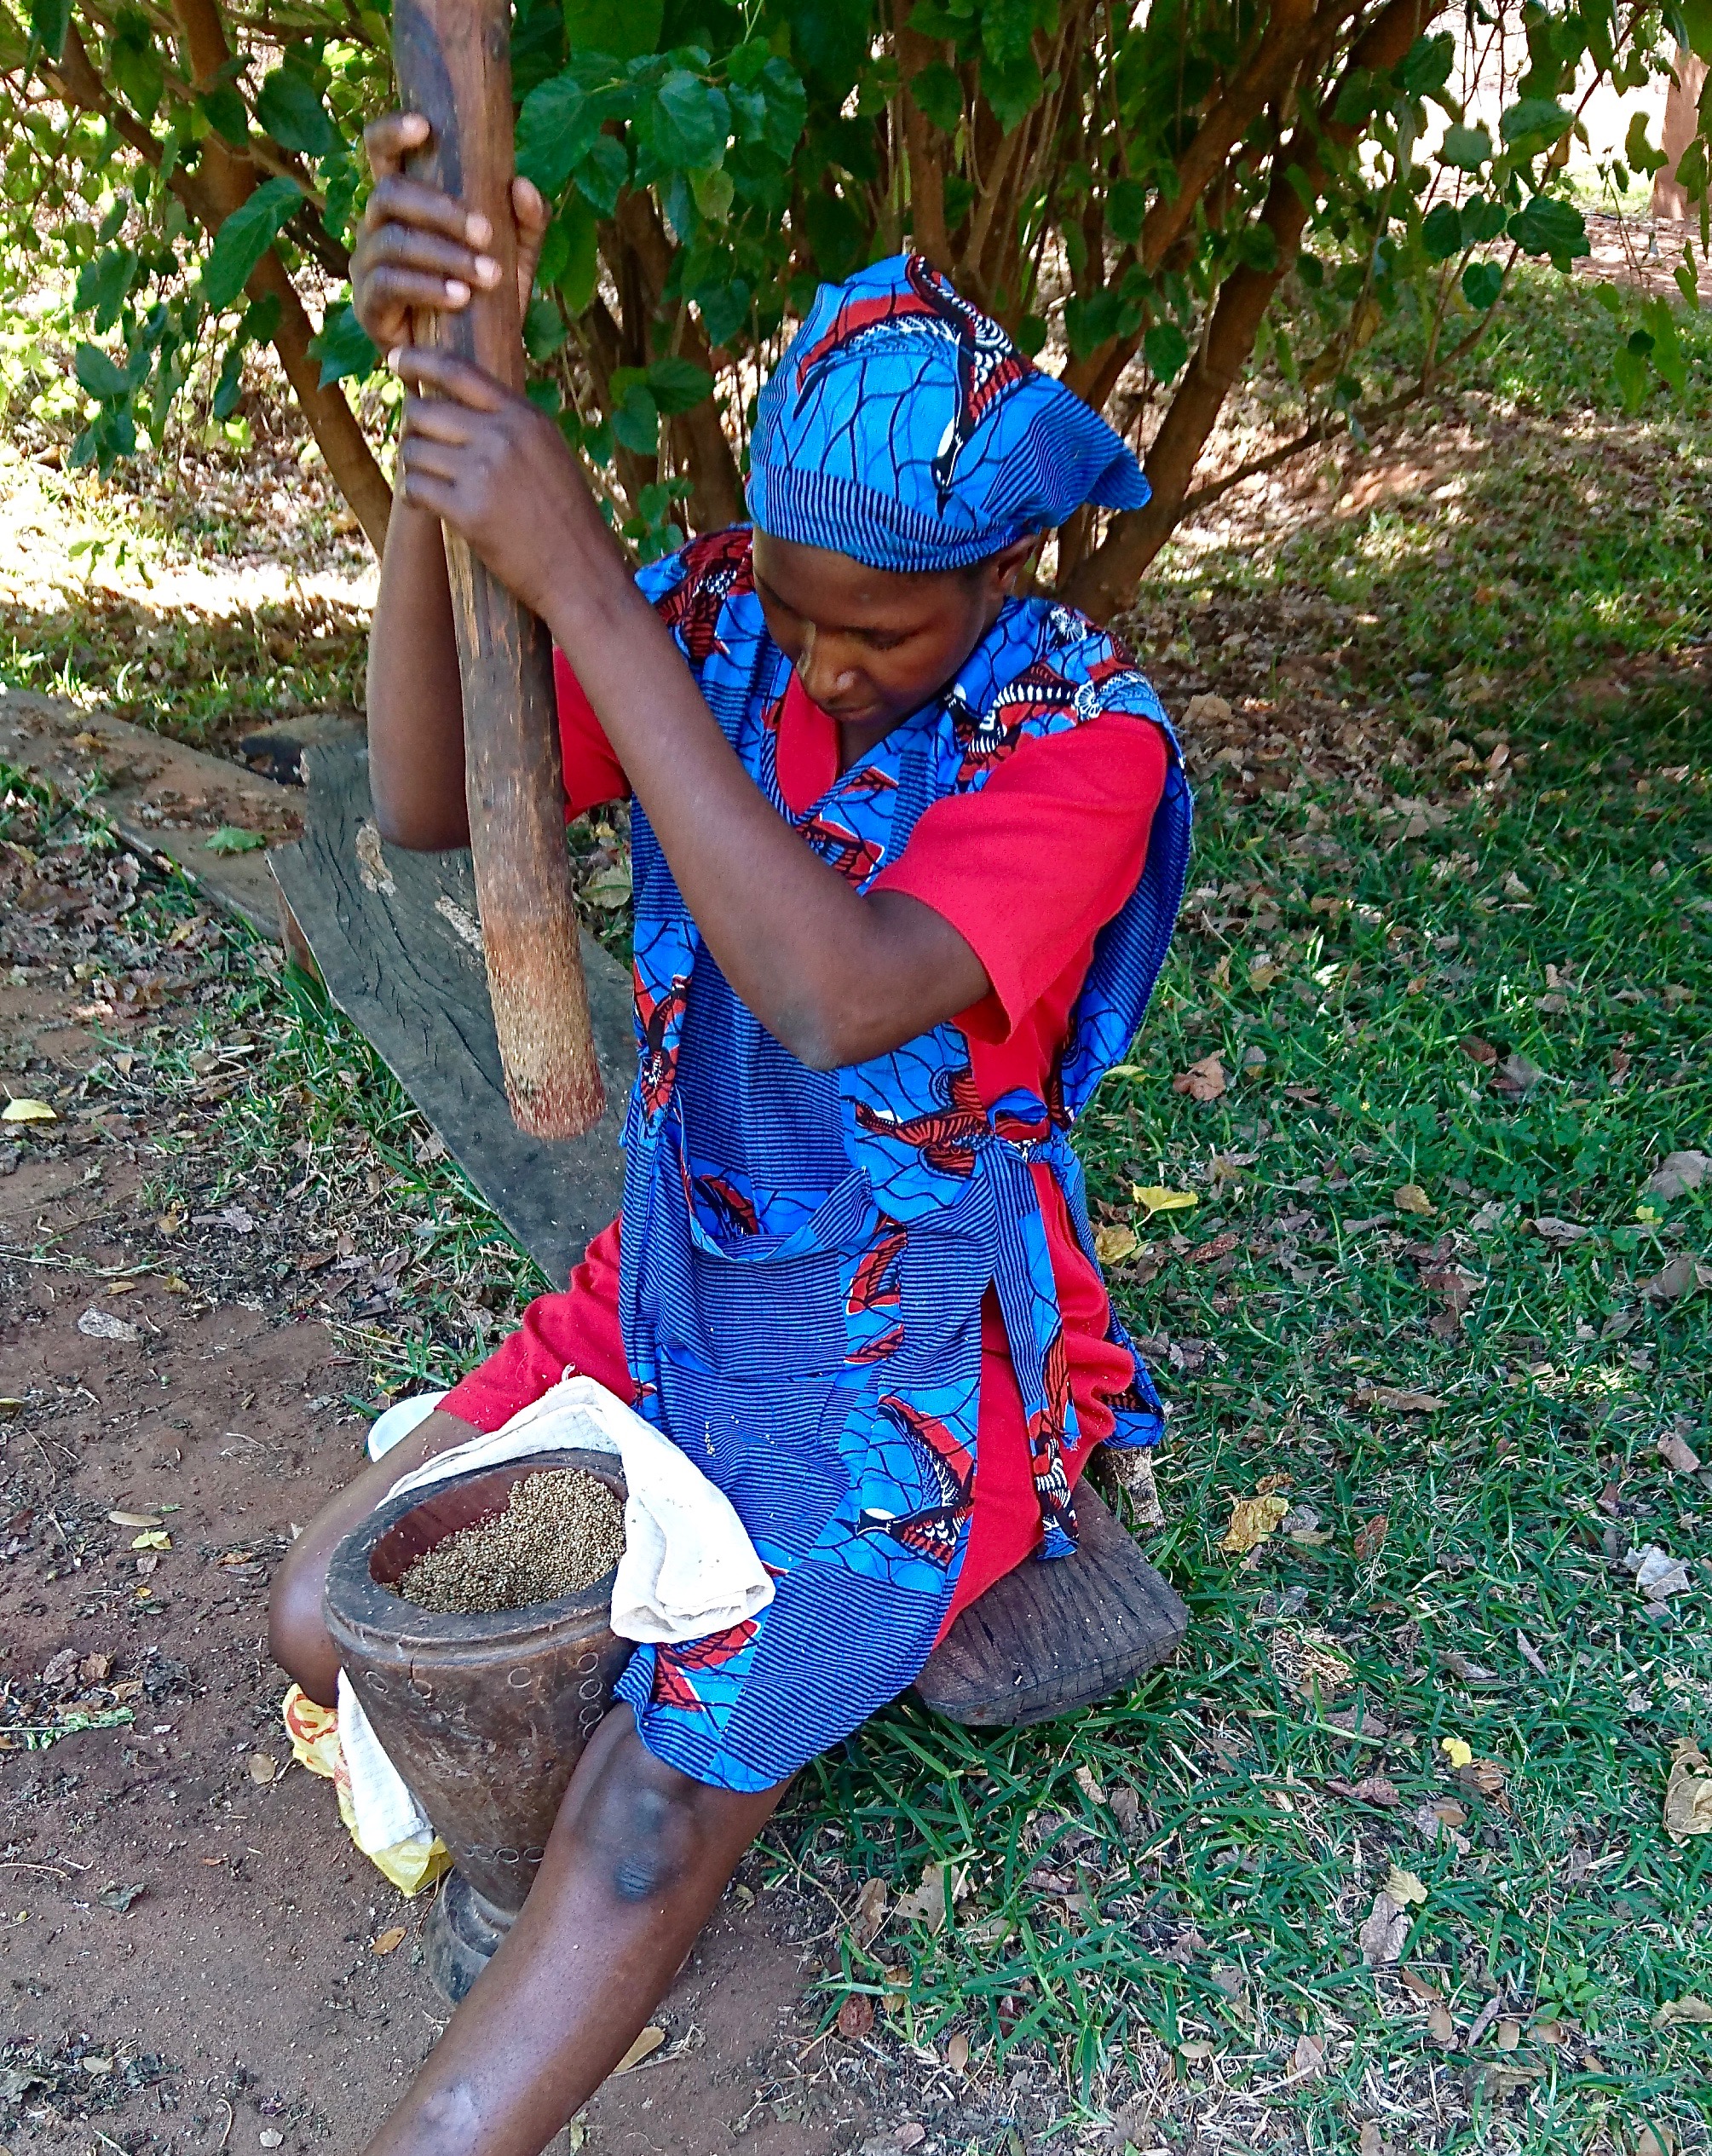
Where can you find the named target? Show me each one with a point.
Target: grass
(1145, 1910)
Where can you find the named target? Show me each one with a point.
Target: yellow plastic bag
(411, 1865)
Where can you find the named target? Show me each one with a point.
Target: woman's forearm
(832, 975)
(415, 694)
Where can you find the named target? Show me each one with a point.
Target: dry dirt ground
(186, 1952)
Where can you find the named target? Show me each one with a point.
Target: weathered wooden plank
(1050, 1638)
(395, 938)
(454, 62)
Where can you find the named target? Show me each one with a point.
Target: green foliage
(707, 164)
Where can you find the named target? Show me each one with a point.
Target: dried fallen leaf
(1678, 1173)
(1410, 1197)
(1309, 2060)
(1440, 2027)
(856, 2017)
(153, 1538)
(1370, 1539)
(1372, 1789)
(1507, 2036)
(1088, 1783)
(1677, 1454)
(1478, 1050)
(1204, 1081)
(1654, 2141)
(1559, 1234)
(1516, 1077)
(1157, 1199)
(1688, 1792)
(1372, 2142)
(133, 1519)
(27, 1112)
(271, 2137)
(262, 1769)
(925, 1904)
(1252, 1520)
(1403, 1888)
(1113, 1244)
(1681, 1277)
(957, 2052)
(645, 2046)
(1206, 709)
(870, 1911)
(1657, 1573)
(1689, 2009)
(393, 1937)
(232, 838)
(1197, 2048)
(1398, 1400)
(1382, 1934)
(911, 2133)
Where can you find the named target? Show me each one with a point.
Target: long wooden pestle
(453, 59)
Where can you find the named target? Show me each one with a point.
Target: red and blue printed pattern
(805, 1254)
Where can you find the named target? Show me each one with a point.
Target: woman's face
(871, 646)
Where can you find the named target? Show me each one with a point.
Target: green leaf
(1696, 20)
(691, 123)
(1633, 375)
(938, 92)
(97, 374)
(343, 347)
(724, 307)
(1011, 87)
(1257, 248)
(1534, 123)
(1467, 148)
(636, 422)
(1482, 282)
(746, 64)
(230, 386)
(603, 173)
(102, 285)
(787, 107)
(1638, 151)
(1165, 348)
(625, 28)
(555, 131)
(1549, 226)
(227, 114)
(244, 238)
(1691, 168)
(714, 193)
(232, 838)
(289, 107)
(1668, 355)
(51, 22)
(1687, 281)
(678, 385)
(1091, 320)
(1425, 67)
(836, 231)
(1611, 299)
(1125, 209)
(1441, 232)
(544, 328)
(580, 269)
(135, 61)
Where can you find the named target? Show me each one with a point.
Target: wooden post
(453, 59)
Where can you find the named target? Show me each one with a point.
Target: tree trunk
(1681, 125)
(1108, 578)
(453, 59)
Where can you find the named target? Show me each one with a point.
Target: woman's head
(870, 645)
(905, 460)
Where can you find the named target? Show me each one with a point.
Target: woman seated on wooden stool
(906, 852)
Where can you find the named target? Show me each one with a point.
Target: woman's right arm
(420, 252)
(415, 696)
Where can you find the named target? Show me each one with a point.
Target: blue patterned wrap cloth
(904, 428)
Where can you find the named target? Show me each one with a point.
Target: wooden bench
(394, 936)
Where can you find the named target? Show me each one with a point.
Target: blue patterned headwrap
(904, 427)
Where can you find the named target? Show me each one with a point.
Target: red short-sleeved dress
(1028, 871)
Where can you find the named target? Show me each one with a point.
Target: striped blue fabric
(805, 1254)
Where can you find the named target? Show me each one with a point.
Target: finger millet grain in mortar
(563, 1531)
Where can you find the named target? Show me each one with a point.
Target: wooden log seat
(394, 937)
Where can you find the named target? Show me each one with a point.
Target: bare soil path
(187, 1937)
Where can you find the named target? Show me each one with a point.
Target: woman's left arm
(835, 977)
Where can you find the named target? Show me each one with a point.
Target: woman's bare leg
(638, 1858)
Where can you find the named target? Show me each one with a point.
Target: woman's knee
(296, 1632)
(646, 1824)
